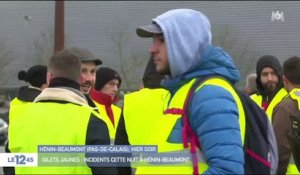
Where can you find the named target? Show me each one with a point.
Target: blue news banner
(109, 155)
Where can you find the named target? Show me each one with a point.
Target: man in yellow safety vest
(270, 90)
(182, 50)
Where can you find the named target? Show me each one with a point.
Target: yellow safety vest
(43, 123)
(292, 168)
(144, 107)
(278, 97)
(163, 125)
(17, 101)
(111, 128)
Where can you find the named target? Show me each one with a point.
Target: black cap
(85, 55)
(148, 31)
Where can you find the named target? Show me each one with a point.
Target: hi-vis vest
(36, 124)
(111, 128)
(142, 112)
(163, 124)
(17, 101)
(292, 168)
(278, 97)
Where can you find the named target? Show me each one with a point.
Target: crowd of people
(71, 101)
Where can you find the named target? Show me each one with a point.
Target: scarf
(105, 100)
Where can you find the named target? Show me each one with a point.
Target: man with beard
(270, 90)
(89, 63)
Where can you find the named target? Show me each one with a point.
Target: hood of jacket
(214, 62)
(268, 61)
(187, 35)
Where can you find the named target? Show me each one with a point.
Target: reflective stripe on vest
(277, 98)
(165, 124)
(36, 124)
(292, 168)
(111, 128)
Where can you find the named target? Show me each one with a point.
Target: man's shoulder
(212, 92)
(287, 103)
(216, 87)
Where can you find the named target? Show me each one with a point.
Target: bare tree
(6, 58)
(131, 60)
(239, 49)
(43, 48)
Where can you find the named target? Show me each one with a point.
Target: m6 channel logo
(277, 16)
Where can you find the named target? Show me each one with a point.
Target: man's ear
(285, 80)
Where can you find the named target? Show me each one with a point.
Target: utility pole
(59, 38)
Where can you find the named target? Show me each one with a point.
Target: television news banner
(96, 156)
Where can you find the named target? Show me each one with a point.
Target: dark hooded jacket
(152, 79)
(273, 62)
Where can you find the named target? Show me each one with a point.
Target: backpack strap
(188, 136)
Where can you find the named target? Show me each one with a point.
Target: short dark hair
(65, 64)
(291, 69)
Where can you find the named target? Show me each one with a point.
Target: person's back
(36, 77)
(288, 107)
(143, 109)
(270, 90)
(60, 115)
(185, 54)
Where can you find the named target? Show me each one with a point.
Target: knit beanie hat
(104, 75)
(36, 75)
(151, 78)
(268, 61)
